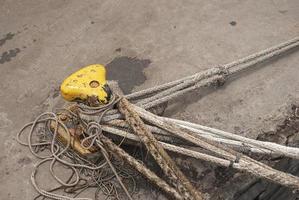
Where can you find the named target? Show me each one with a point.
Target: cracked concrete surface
(42, 42)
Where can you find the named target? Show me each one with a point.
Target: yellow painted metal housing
(88, 81)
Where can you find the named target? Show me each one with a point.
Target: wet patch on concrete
(8, 55)
(8, 36)
(127, 71)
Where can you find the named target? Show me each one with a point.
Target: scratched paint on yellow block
(86, 82)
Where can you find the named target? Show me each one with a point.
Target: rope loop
(93, 131)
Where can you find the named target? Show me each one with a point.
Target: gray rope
(231, 67)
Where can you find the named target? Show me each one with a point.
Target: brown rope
(175, 175)
(113, 148)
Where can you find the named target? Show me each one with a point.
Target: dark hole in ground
(233, 23)
(127, 71)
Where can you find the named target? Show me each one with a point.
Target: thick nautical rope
(229, 68)
(172, 90)
(119, 152)
(245, 163)
(176, 177)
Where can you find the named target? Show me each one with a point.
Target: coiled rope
(78, 164)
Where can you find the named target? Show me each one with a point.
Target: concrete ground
(42, 42)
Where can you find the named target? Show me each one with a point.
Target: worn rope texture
(241, 143)
(133, 162)
(204, 83)
(140, 168)
(200, 76)
(230, 67)
(213, 75)
(53, 157)
(246, 163)
(160, 134)
(173, 148)
(269, 173)
(57, 154)
(93, 130)
(263, 147)
(177, 178)
(226, 138)
(184, 85)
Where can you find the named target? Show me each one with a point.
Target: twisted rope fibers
(169, 91)
(79, 165)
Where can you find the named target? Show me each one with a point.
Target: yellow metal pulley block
(87, 82)
(87, 85)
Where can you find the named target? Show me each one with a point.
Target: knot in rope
(93, 131)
